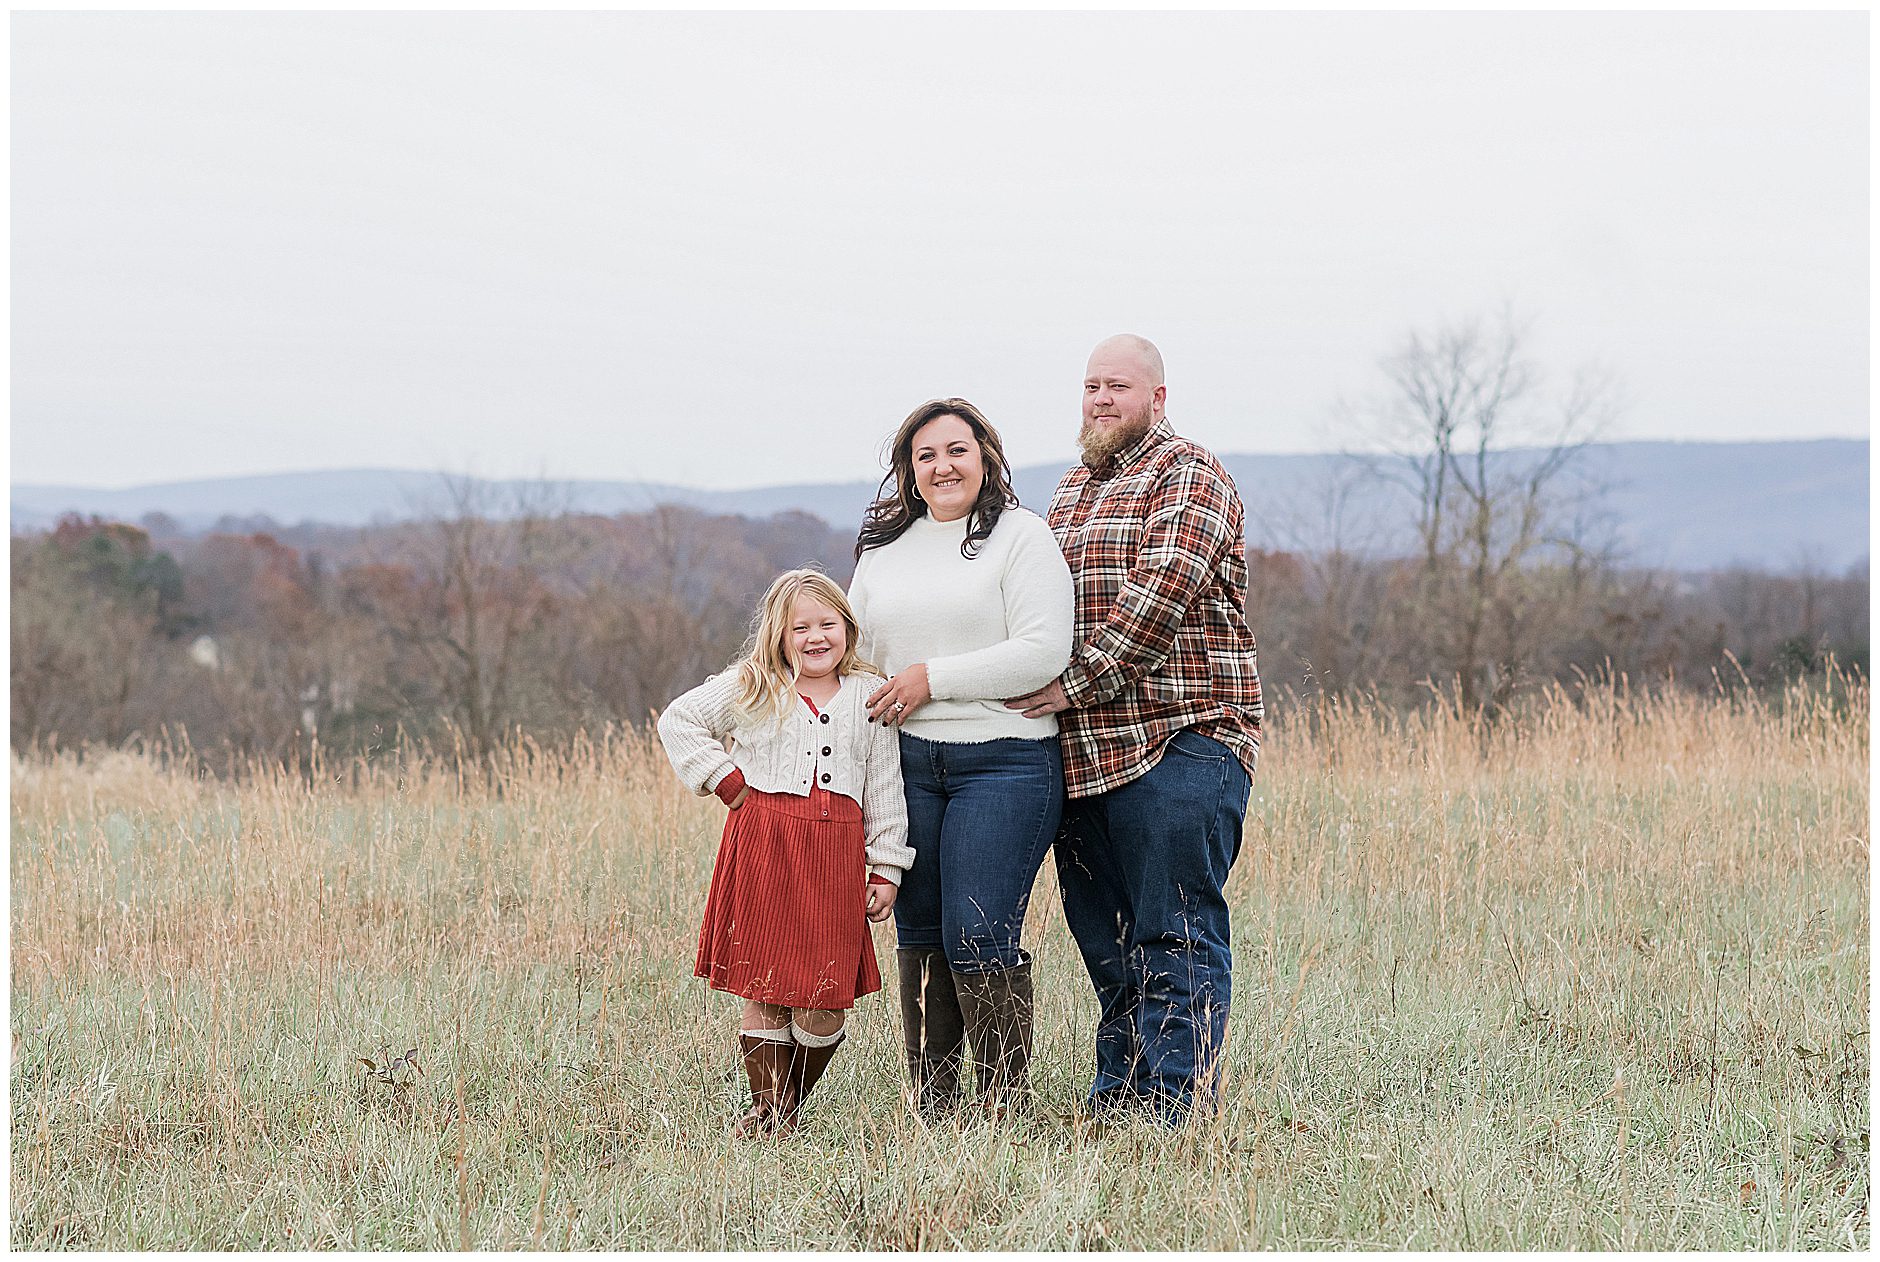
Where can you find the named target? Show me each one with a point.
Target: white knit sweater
(840, 750)
(994, 627)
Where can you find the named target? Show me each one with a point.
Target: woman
(965, 599)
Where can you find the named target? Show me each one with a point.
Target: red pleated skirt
(785, 920)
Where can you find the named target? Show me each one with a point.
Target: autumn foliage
(488, 619)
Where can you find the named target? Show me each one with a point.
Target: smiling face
(1123, 398)
(818, 637)
(949, 467)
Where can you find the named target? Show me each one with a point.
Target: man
(1160, 730)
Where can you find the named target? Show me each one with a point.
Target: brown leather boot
(806, 1070)
(767, 1066)
(932, 1028)
(998, 1010)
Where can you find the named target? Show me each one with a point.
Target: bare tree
(687, 611)
(477, 590)
(1493, 465)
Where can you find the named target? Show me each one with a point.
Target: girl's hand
(895, 701)
(881, 896)
(738, 801)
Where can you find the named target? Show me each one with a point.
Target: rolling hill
(1688, 506)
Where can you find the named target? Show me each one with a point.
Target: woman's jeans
(980, 816)
(1142, 867)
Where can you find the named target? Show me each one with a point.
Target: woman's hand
(895, 701)
(738, 801)
(881, 896)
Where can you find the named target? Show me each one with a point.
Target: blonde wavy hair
(766, 674)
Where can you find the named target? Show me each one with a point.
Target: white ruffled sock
(817, 1040)
(769, 1036)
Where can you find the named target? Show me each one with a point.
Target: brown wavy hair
(897, 503)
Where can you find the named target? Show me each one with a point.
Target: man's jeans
(1142, 867)
(980, 816)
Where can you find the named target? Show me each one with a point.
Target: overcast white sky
(736, 249)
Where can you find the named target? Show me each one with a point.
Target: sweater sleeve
(1037, 592)
(884, 805)
(693, 730)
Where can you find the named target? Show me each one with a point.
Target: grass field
(1596, 978)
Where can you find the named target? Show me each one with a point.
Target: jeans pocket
(1194, 746)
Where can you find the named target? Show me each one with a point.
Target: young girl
(815, 796)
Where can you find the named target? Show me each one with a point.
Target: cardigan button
(825, 718)
(825, 777)
(827, 751)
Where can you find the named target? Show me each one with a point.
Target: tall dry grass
(1594, 976)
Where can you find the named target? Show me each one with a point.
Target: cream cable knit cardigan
(706, 738)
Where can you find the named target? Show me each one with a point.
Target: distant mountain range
(1686, 506)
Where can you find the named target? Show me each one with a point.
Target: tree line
(460, 630)
(453, 631)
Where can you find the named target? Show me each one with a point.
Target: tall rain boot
(813, 1054)
(933, 1029)
(767, 1061)
(998, 1009)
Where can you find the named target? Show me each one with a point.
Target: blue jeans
(1141, 868)
(980, 816)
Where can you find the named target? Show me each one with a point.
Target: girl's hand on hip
(881, 898)
(895, 701)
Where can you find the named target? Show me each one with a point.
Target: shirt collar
(1158, 433)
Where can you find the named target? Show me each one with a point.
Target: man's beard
(1099, 443)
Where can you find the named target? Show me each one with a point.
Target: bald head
(1139, 351)
(1123, 396)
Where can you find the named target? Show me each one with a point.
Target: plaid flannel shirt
(1155, 545)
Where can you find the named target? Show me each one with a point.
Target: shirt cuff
(875, 878)
(729, 788)
(885, 872)
(1079, 684)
